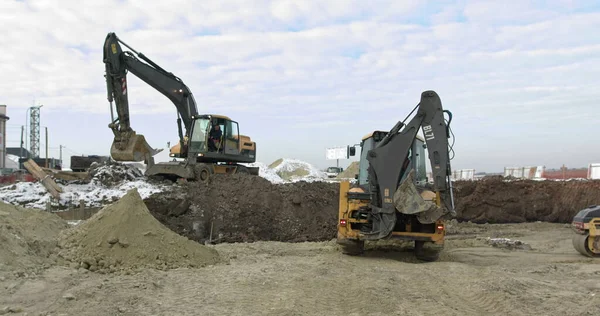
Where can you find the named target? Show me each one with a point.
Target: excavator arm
(127, 145)
(392, 189)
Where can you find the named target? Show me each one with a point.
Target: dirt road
(271, 278)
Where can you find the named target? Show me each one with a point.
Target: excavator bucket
(136, 149)
(408, 200)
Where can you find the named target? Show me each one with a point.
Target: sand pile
(111, 172)
(27, 238)
(350, 171)
(124, 236)
(242, 208)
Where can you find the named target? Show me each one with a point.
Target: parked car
(333, 172)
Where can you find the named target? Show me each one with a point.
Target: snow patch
(265, 172)
(294, 170)
(287, 170)
(109, 182)
(94, 194)
(13, 158)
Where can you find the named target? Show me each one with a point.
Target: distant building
(16, 151)
(26, 154)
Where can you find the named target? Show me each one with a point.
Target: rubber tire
(242, 170)
(202, 173)
(427, 251)
(355, 249)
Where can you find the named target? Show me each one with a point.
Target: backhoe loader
(211, 143)
(392, 198)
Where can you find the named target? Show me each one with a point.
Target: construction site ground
(509, 252)
(314, 278)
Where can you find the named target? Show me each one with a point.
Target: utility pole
(46, 147)
(21, 155)
(60, 155)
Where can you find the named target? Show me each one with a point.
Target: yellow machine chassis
(345, 233)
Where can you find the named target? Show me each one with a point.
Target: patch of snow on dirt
(108, 182)
(507, 243)
(111, 173)
(294, 170)
(265, 172)
(94, 194)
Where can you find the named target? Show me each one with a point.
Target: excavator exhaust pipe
(132, 148)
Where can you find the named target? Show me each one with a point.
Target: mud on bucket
(133, 148)
(408, 200)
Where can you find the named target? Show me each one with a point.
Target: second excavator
(210, 143)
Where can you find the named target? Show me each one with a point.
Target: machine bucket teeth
(136, 149)
(581, 244)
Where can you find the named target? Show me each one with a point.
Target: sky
(520, 77)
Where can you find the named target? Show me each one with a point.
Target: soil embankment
(496, 201)
(240, 208)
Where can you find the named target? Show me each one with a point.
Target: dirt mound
(111, 172)
(243, 208)
(350, 171)
(27, 237)
(496, 201)
(124, 236)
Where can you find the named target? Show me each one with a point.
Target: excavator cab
(216, 138)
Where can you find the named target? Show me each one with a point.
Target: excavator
(392, 197)
(210, 144)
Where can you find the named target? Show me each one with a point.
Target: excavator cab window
(199, 135)
(216, 135)
(363, 165)
(232, 141)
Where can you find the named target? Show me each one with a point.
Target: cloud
(329, 70)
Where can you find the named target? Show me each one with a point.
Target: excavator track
(581, 243)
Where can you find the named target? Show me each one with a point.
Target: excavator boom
(391, 184)
(127, 145)
(392, 198)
